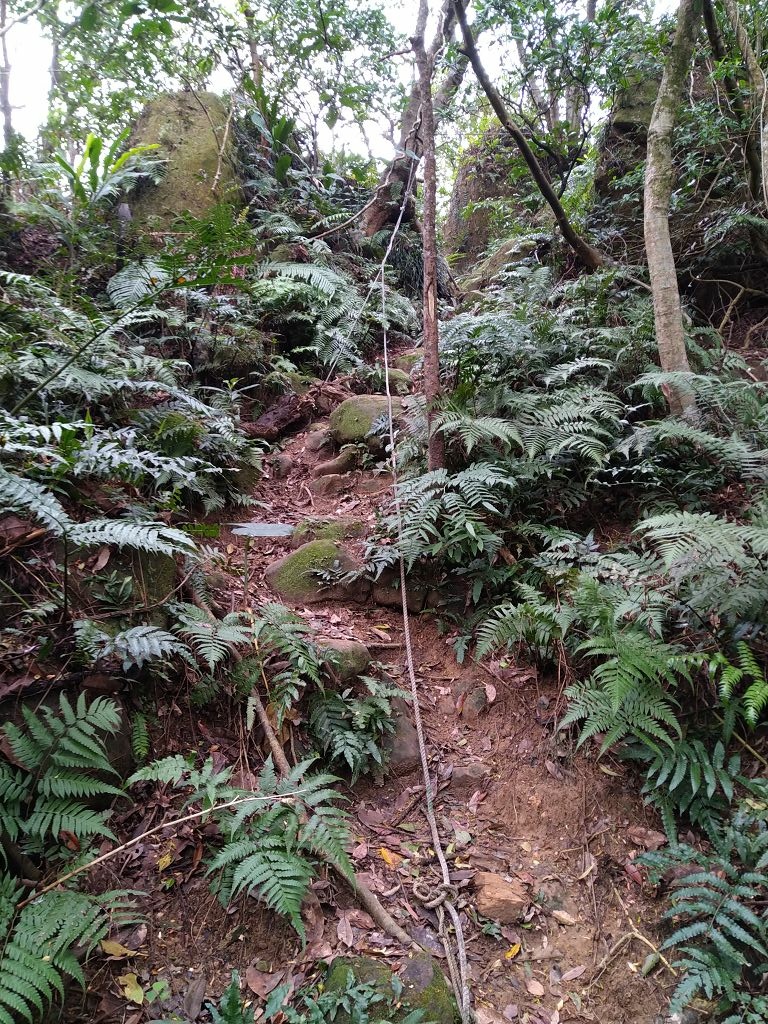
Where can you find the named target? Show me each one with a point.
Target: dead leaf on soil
(344, 930)
(193, 997)
(648, 838)
(573, 973)
(116, 950)
(563, 917)
(534, 987)
(512, 952)
(360, 852)
(131, 988)
(483, 1015)
(490, 692)
(475, 800)
(554, 770)
(392, 860)
(359, 919)
(261, 983)
(511, 1011)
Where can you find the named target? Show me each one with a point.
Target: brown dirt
(556, 819)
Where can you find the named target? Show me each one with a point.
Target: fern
(754, 699)
(211, 639)
(720, 930)
(134, 647)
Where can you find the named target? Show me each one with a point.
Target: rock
(375, 484)
(281, 466)
(424, 988)
(402, 746)
(188, 128)
(296, 576)
(498, 899)
(327, 529)
(353, 420)
(386, 592)
(407, 360)
(475, 703)
(333, 483)
(344, 461)
(468, 778)
(349, 658)
(318, 438)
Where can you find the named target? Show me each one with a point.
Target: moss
(295, 577)
(399, 382)
(335, 530)
(353, 419)
(188, 127)
(424, 987)
(406, 361)
(349, 658)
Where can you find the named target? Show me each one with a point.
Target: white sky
(30, 58)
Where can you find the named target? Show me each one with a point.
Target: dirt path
(514, 801)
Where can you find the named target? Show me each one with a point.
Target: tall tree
(586, 253)
(396, 177)
(425, 65)
(659, 179)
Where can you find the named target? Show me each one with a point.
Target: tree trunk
(586, 253)
(425, 65)
(5, 88)
(659, 176)
(758, 86)
(398, 175)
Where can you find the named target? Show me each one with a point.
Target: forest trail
(514, 803)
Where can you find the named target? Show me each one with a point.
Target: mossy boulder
(189, 129)
(406, 361)
(298, 577)
(424, 988)
(335, 530)
(352, 421)
(349, 658)
(346, 460)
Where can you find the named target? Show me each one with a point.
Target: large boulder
(349, 658)
(298, 576)
(190, 130)
(353, 420)
(337, 530)
(424, 988)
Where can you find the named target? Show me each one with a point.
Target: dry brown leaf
(116, 949)
(261, 983)
(483, 1015)
(648, 838)
(573, 973)
(360, 852)
(359, 919)
(392, 860)
(131, 988)
(344, 931)
(490, 692)
(563, 917)
(534, 987)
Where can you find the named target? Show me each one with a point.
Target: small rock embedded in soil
(468, 778)
(388, 595)
(424, 987)
(318, 438)
(343, 462)
(334, 483)
(499, 899)
(281, 466)
(402, 746)
(349, 658)
(475, 703)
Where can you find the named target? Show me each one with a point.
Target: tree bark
(659, 178)
(586, 253)
(5, 85)
(397, 176)
(425, 65)
(758, 85)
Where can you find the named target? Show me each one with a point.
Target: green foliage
(358, 1002)
(350, 727)
(274, 839)
(717, 906)
(39, 942)
(63, 764)
(231, 1009)
(284, 655)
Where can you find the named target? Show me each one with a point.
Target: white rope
(459, 973)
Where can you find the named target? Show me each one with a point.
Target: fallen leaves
(392, 860)
(534, 987)
(116, 950)
(563, 917)
(261, 983)
(131, 988)
(648, 838)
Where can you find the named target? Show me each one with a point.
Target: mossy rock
(349, 658)
(424, 988)
(352, 421)
(296, 577)
(399, 381)
(189, 129)
(335, 530)
(406, 361)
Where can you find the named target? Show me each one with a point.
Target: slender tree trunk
(586, 253)
(659, 178)
(751, 151)
(397, 176)
(425, 65)
(5, 89)
(758, 85)
(257, 73)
